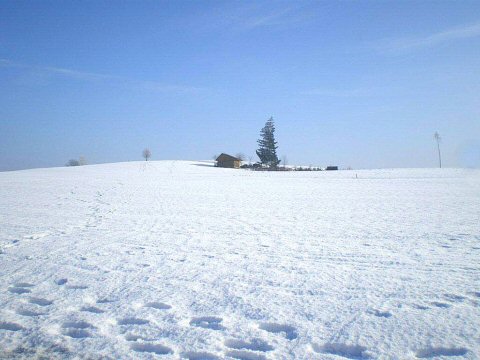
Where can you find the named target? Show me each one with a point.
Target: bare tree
(284, 160)
(82, 161)
(250, 159)
(438, 139)
(73, 162)
(240, 156)
(147, 154)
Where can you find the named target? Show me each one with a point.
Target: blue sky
(352, 83)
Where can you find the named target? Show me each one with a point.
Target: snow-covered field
(177, 259)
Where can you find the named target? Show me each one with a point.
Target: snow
(178, 259)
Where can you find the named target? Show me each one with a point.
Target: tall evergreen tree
(267, 146)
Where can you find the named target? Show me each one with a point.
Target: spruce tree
(267, 150)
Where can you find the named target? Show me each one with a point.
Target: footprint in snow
(151, 348)
(432, 352)
(244, 355)
(36, 236)
(454, 298)
(194, 355)
(77, 325)
(77, 329)
(474, 300)
(9, 326)
(287, 330)
(420, 307)
(132, 321)
(440, 304)
(76, 333)
(378, 313)
(23, 285)
(342, 350)
(20, 288)
(40, 301)
(104, 301)
(158, 305)
(62, 281)
(254, 345)
(135, 337)
(26, 312)
(76, 287)
(207, 322)
(92, 309)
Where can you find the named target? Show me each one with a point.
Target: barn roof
(226, 157)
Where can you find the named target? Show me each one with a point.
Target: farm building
(228, 161)
(331, 168)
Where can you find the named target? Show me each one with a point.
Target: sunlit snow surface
(176, 259)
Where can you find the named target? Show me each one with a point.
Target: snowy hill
(178, 259)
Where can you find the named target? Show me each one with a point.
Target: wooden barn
(228, 161)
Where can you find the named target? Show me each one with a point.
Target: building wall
(228, 164)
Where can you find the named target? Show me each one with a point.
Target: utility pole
(437, 139)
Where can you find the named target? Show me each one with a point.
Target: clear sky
(350, 83)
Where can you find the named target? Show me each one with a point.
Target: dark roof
(226, 157)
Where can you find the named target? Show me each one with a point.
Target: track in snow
(171, 259)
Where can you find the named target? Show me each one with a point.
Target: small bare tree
(240, 156)
(284, 160)
(82, 161)
(147, 154)
(437, 138)
(73, 162)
